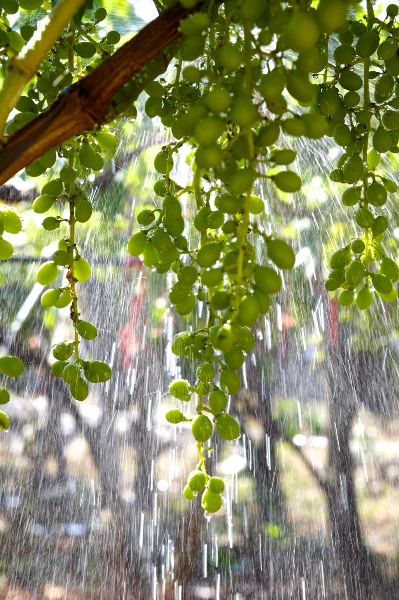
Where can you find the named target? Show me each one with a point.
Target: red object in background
(129, 336)
(333, 322)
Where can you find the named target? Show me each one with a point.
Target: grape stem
(71, 251)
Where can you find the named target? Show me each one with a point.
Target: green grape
(231, 57)
(229, 204)
(342, 134)
(107, 141)
(272, 85)
(58, 367)
(49, 298)
(113, 37)
(351, 196)
(207, 255)
(330, 15)
(217, 401)
(218, 99)
(11, 366)
(47, 273)
(392, 296)
(316, 125)
(299, 86)
(216, 485)
(243, 112)
(67, 175)
(85, 49)
(161, 162)
(256, 205)
(355, 273)
(83, 211)
(168, 257)
(153, 107)
(188, 275)
(367, 44)
(79, 389)
(381, 283)
(382, 140)
(6, 249)
(227, 427)
(241, 181)
(63, 300)
(171, 207)
(192, 47)
(178, 293)
(301, 32)
(344, 54)
(390, 185)
(287, 181)
(48, 159)
(53, 188)
(196, 480)
(4, 421)
(379, 225)
(346, 297)
(364, 298)
(161, 240)
(331, 285)
(211, 502)
(4, 396)
(230, 381)
(392, 10)
(226, 337)
(387, 49)
(283, 157)
(384, 85)
(174, 227)
(205, 371)
(201, 428)
(234, 359)
(188, 493)
(353, 169)
(249, 311)
(200, 219)
(179, 389)
(192, 74)
(267, 280)
(376, 194)
(63, 350)
(281, 254)
(350, 81)
(209, 157)
(87, 330)
(185, 307)
(71, 373)
(16, 40)
(263, 301)
(373, 159)
(97, 371)
(340, 258)
(51, 223)
(11, 221)
(268, 135)
(82, 270)
(295, 127)
(352, 99)
(209, 130)
(313, 60)
(211, 277)
(137, 244)
(61, 258)
(215, 219)
(358, 246)
(174, 416)
(389, 268)
(364, 218)
(390, 119)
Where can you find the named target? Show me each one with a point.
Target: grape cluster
(366, 131)
(248, 71)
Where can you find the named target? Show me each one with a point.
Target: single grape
(234, 359)
(4, 421)
(201, 428)
(49, 298)
(87, 330)
(217, 401)
(4, 396)
(11, 366)
(79, 389)
(226, 338)
(267, 280)
(196, 480)
(364, 298)
(174, 416)
(205, 371)
(230, 381)
(216, 485)
(211, 502)
(179, 389)
(63, 300)
(83, 211)
(6, 249)
(97, 371)
(185, 307)
(71, 373)
(355, 272)
(58, 367)
(227, 427)
(47, 273)
(188, 493)
(287, 181)
(82, 270)
(381, 283)
(207, 255)
(346, 297)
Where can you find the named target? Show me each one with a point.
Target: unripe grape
(85, 49)
(209, 157)
(196, 480)
(241, 181)
(272, 85)
(82, 270)
(379, 225)
(137, 244)
(188, 493)
(79, 389)
(267, 280)
(234, 359)
(192, 47)
(181, 242)
(200, 219)
(192, 74)
(227, 427)
(63, 300)
(230, 381)
(381, 283)
(174, 227)
(301, 32)
(145, 217)
(392, 10)
(230, 57)
(211, 277)
(208, 254)
(364, 218)
(97, 371)
(340, 258)
(218, 99)
(161, 162)
(87, 156)
(330, 15)
(391, 296)
(211, 502)
(331, 284)
(229, 204)
(4, 396)
(390, 119)
(389, 268)
(61, 258)
(53, 188)
(174, 416)
(215, 219)
(355, 273)
(376, 194)
(346, 297)
(4, 420)
(6, 249)
(58, 367)
(249, 311)
(263, 300)
(161, 240)
(49, 298)
(205, 371)
(217, 401)
(201, 428)
(209, 130)
(358, 246)
(390, 185)
(43, 203)
(243, 112)
(352, 99)
(71, 373)
(342, 134)
(316, 125)
(172, 207)
(367, 44)
(178, 293)
(364, 298)
(373, 159)
(351, 196)
(11, 366)
(87, 330)
(67, 174)
(256, 205)
(188, 275)
(226, 338)
(268, 134)
(299, 86)
(287, 181)
(350, 81)
(353, 169)
(387, 49)
(47, 273)
(185, 307)
(392, 65)
(107, 141)
(83, 211)
(344, 54)
(281, 254)
(216, 485)
(63, 350)
(220, 300)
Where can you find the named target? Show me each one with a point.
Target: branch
(23, 67)
(86, 104)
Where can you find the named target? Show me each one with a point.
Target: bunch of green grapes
(249, 70)
(366, 130)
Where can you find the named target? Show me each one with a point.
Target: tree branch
(86, 104)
